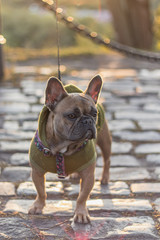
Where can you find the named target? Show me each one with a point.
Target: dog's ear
(94, 88)
(54, 93)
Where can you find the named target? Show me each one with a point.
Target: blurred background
(28, 31)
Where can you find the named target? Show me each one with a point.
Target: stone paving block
(117, 188)
(28, 188)
(30, 125)
(9, 135)
(108, 116)
(16, 228)
(22, 117)
(113, 188)
(124, 147)
(33, 91)
(9, 146)
(153, 159)
(120, 161)
(7, 189)
(137, 115)
(145, 187)
(11, 125)
(143, 100)
(36, 108)
(121, 125)
(148, 148)
(128, 228)
(51, 177)
(17, 97)
(67, 207)
(19, 159)
(157, 172)
(124, 173)
(153, 107)
(120, 107)
(9, 90)
(148, 74)
(157, 204)
(114, 100)
(150, 89)
(137, 136)
(14, 108)
(16, 174)
(149, 125)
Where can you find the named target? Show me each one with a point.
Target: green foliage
(22, 28)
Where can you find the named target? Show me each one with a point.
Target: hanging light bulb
(2, 39)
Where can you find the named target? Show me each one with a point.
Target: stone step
(58, 189)
(107, 228)
(67, 207)
(145, 188)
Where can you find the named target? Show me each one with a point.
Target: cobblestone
(16, 174)
(7, 189)
(19, 159)
(121, 147)
(114, 188)
(139, 228)
(52, 189)
(149, 125)
(153, 159)
(145, 188)
(124, 208)
(66, 207)
(148, 148)
(120, 161)
(15, 146)
(137, 115)
(121, 125)
(137, 136)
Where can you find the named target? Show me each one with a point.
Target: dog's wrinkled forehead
(77, 101)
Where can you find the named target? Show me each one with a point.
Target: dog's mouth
(90, 134)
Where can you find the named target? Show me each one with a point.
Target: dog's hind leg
(39, 181)
(104, 142)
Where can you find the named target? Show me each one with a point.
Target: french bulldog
(69, 133)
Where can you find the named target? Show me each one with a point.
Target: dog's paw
(81, 216)
(105, 180)
(36, 208)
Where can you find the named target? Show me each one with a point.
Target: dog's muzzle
(85, 129)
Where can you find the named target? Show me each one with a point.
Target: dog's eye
(72, 116)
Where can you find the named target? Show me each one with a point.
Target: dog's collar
(60, 166)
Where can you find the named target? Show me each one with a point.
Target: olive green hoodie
(73, 163)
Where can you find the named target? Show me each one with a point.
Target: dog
(65, 141)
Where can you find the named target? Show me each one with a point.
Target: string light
(2, 39)
(107, 40)
(81, 27)
(59, 10)
(93, 34)
(50, 2)
(70, 19)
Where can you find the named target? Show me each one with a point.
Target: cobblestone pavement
(129, 208)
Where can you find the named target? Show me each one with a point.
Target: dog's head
(74, 114)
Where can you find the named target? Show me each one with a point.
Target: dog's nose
(87, 121)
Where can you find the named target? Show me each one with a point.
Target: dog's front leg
(87, 182)
(39, 181)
